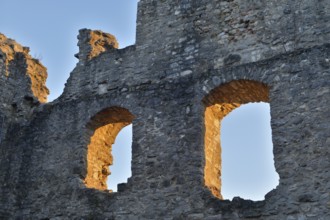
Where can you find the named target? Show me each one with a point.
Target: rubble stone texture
(193, 62)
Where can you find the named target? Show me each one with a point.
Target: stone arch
(219, 103)
(103, 129)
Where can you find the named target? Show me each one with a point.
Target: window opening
(104, 128)
(122, 157)
(248, 169)
(218, 104)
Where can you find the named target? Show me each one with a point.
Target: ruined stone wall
(22, 89)
(189, 55)
(22, 80)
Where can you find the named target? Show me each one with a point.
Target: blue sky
(50, 29)
(247, 157)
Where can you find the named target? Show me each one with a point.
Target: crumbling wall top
(92, 43)
(17, 60)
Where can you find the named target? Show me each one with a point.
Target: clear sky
(50, 29)
(247, 158)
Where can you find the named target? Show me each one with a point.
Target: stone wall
(23, 90)
(191, 58)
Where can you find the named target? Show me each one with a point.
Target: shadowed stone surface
(187, 55)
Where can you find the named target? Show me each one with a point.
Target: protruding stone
(92, 43)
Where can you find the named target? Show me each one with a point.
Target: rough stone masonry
(194, 61)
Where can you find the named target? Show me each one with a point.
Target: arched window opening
(218, 104)
(122, 157)
(248, 169)
(104, 127)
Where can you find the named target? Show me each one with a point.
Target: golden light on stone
(35, 72)
(106, 126)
